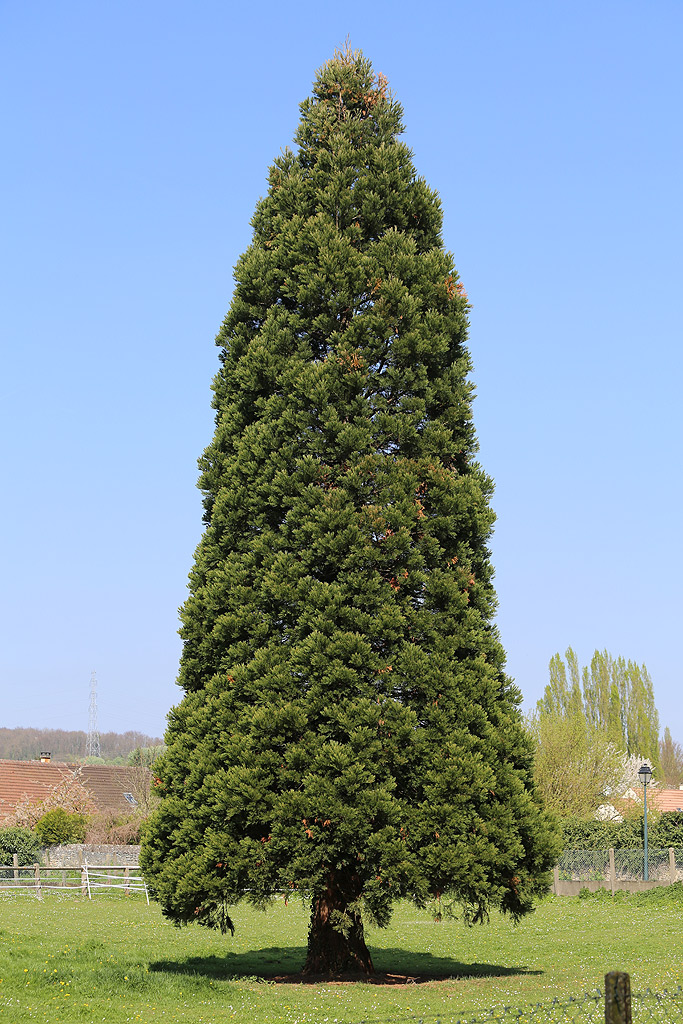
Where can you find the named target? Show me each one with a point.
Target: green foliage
(660, 896)
(122, 959)
(615, 697)
(575, 766)
(581, 834)
(589, 729)
(22, 841)
(59, 826)
(145, 756)
(663, 830)
(347, 727)
(671, 760)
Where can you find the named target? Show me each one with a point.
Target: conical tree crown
(347, 725)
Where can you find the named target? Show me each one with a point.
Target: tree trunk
(331, 950)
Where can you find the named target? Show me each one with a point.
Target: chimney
(45, 756)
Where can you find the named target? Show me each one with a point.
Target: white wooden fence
(88, 880)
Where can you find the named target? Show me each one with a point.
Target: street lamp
(645, 776)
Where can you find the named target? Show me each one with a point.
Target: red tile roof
(20, 780)
(107, 783)
(666, 799)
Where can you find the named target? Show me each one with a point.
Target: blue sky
(137, 138)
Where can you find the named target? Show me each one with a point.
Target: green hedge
(662, 830)
(22, 841)
(60, 826)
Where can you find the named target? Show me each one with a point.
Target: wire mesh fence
(664, 865)
(586, 1009)
(655, 1007)
(646, 1008)
(584, 865)
(629, 864)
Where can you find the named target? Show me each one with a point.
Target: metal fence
(664, 865)
(646, 1008)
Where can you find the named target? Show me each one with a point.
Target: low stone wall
(74, 855)
(563, 887)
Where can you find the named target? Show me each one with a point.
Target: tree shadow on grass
(283, 966)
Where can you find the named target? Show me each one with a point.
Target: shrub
(124, 830)
(664, 829)
(59, 826)
(22, 841)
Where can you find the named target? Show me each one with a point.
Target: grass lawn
(116, 960)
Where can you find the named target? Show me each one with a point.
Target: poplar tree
(613, 697)
(671, 759)
(347, 729)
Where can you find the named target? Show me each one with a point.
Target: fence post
(672, 865)
(126, 875)
(84, 884)
(36, 874)
(15, 861)
(612, 869)
(617, 998)
(556, 879)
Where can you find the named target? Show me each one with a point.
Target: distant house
(111, 787)
(665, 799)
(658, 799)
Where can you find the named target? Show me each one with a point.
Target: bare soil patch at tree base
(353, 978)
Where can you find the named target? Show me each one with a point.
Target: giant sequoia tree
(347, 729)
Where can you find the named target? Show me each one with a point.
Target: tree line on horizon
(26, 744)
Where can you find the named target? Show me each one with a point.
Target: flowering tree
(69, 795)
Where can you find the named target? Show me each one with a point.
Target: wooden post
(556, 879)
(36, 874)
(84, 883)
(64, 878)
(617, 998)
(15, 861)
(126, 875)
(672, 865)
(612, 869)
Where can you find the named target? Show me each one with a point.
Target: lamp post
(645, 776)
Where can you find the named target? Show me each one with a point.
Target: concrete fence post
(36, 875)
(672, 865)
(15, 862)
(556, 880)
(617, 998)
(612, 870)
